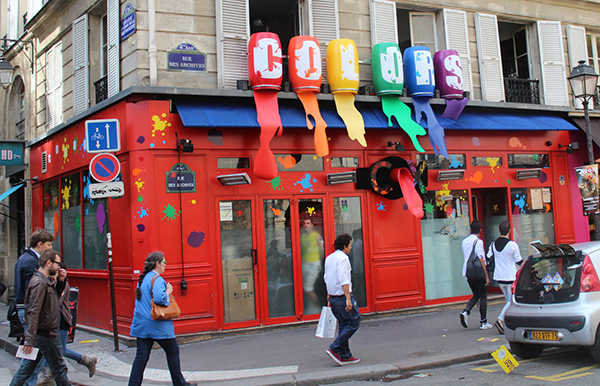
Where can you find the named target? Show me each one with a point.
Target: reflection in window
(444, 226)
(299, 163)
(348, 219)
(51, 212)
(344, 162)
(310, 212)
(532, 217)
(439, 162)
(516, 161)
(486, 161)
(94, 228)
(70, 192)
(233, 163)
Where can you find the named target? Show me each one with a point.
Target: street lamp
(583, 82)
(6, 73)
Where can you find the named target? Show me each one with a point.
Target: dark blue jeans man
(348, 323)
(32, 381)
(50, 349)
(144, 345)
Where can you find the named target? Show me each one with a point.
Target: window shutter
(490, 63)
(233, 33)
(112, 21)
(13, 19)
(324, 25)
(58, 79)
(50, 88)
(577, 45)
(457, 38)
(384, 25)
(81, 90)
(554, 77)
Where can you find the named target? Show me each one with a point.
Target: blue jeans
(507, 291)
(49, 349)
(348, 323)
(32, 381)
(142, 354)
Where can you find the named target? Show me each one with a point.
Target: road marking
(567, 375)
(108, 364)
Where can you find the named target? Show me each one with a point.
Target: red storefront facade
(239, 248)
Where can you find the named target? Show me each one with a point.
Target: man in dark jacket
(42, 315)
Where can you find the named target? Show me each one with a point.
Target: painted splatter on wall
(170, 212)
(195, 239)
(100, 217)
(275, 183)
(306, 182)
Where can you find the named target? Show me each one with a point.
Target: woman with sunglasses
(147, 330)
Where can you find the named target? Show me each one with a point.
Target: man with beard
(42, 318)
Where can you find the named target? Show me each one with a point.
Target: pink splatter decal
(141, 227)
(195, 239)
(100, 217)
(476, 141)
(141, 139)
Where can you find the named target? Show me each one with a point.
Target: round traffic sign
(105, 167)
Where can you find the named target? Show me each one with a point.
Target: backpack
(490, 262)
(474, 268)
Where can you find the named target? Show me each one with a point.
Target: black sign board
(180, 177)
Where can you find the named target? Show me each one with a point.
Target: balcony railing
(101, 89)
(522, 90)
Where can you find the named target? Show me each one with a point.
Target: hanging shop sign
(128, 22)
(587, 180)
(108, 189)
(186, 58)
(11, 152)
(181, 178)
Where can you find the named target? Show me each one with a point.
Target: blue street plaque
(181, 177)
(128, 22)
(186, 58)
(11, 152)
(102, 135)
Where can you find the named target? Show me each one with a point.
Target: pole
(112, 283)
(183, 284)
(590, 148)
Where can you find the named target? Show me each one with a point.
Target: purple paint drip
(454, 107)
(100, 217)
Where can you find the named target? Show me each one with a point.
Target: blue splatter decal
(381, 206)
(86, 189)
(306, 182)
(143, 212)
(152, 145)
(454, 162)
(520, 202)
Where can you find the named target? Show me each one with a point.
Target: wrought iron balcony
(522, 90)
(101, 89)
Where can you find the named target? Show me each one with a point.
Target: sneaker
(499, 326)
(485, 326)
(464, 319)
(350, 360)
(335, 357)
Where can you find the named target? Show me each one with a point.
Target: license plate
(543, 335)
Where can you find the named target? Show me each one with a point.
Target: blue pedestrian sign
(102, 135)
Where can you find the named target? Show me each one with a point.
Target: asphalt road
(566, 367)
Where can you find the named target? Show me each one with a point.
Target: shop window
(532, 217)
(233, 163)
(52, 212)
(344, 162)
(348, 219)
(70, 211)
(439, 162)
(517, 161)
(486, 161)
(299, 163)
(94, 230)
(312, 248)
(443, 227)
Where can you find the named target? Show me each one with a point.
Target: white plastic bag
(327, 324)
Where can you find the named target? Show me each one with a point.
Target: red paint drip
(267, 115)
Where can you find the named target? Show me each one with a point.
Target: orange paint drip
(311, 107)
(355, 124)
(267, 115)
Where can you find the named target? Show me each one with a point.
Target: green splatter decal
(508, 181)
(170, 212)
(140, 198)
(429, 207)
(78, 223)
(275, 183)
(536, 158)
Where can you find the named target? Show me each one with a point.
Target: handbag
(474, 268)
(327, 324)
(159, 312)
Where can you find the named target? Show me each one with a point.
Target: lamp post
(583, 80)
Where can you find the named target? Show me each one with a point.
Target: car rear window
(549, 279)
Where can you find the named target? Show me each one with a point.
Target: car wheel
(595, 349)
(526, 351)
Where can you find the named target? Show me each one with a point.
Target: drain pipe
(152, 42)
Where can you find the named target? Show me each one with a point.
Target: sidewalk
(409, 340)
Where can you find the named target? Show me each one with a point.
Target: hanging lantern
(305, 75)
(449, 80)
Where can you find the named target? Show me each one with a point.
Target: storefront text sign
(181, 178)
(186, 58)
(587, 180)
(11, 152)
(128, 22)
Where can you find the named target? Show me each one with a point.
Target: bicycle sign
(102, 135)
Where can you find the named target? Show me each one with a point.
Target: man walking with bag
(338, 280)
(507, 257)
(473, 244)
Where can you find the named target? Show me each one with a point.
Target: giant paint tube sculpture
(343, 79)
(305, 75)
(449, 80)
(388, 79)
(420, 82)
(265, 71)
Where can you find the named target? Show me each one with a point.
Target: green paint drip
(393, 107)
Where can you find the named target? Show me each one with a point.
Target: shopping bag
(327, 324)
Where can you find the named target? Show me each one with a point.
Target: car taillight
(589, 277)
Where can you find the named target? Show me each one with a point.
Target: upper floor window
(104, 47)
(514, 46)
(20, 124)
(593, 48)
(417, 29)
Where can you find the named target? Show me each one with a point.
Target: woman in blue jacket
(146, 330)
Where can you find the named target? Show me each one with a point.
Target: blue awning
(9, 192)
(240, 112)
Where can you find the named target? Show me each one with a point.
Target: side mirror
(579, 256)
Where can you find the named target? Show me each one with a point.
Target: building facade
(175, 76)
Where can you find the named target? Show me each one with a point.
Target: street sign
(108, 189)
(12, 152)
(102, 135)
(105, 167)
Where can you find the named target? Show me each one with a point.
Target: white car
(556, 300)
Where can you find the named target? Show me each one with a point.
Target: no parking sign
(105, 167)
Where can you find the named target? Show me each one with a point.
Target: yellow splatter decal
(310, 210)
(139, 184)
(493, 162)
(159, 124)
(66, 193)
